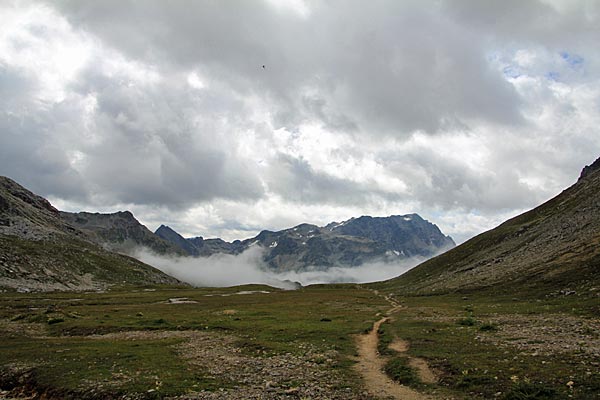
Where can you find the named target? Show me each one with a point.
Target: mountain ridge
(119, 231)
(347, 243)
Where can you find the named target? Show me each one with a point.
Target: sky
(223, 118)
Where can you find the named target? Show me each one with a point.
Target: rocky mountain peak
(168, 234)
(27, 215)
(127, 215)
(588, 169)
(164, 229)
(8, 187)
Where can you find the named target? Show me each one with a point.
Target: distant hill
(554, 249)
(349, 243)
(198, 246)
(40, 250)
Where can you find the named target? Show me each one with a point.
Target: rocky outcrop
(27, 215)
(588, 169)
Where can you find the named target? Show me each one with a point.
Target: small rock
(292, 391)
(270, 385)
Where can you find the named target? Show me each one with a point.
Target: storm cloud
(222, 118)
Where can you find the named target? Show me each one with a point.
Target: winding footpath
(370, 364)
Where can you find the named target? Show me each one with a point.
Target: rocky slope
(28, 216)
(39, 250)
(119, 231)
(348, 243)
(554, 249)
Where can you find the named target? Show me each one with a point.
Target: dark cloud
(172, 156)
(384, 67)
(30, 151)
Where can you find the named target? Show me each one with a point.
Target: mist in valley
(221, 270)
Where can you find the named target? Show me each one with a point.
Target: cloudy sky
(466, 112)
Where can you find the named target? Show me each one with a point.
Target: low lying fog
(229, 270)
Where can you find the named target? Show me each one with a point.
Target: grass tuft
(399, 370)
(488, 327)
(468, 321)
(530, 391)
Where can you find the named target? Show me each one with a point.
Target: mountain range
(44, 248)
(348, 243)
(554, 248)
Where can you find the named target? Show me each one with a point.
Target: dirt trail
(370, 364)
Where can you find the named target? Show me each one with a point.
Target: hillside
(39, 250)
(348, 243)
(554, 248)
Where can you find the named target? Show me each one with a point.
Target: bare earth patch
(19, 328)
(547, 334)
(399, 345)
(310, 374)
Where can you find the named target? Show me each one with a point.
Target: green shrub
(399, 370)
(473, 380)
(530, 391)
(468, 321)
(385, 339)
(488, 327)
(37, 318)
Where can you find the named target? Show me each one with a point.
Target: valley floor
(328, 342)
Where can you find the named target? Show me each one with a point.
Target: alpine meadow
(299, 199)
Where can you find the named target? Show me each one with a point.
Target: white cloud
(42, 45)
(387, 109)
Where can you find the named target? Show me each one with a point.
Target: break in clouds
(224, 118)
(220, 270)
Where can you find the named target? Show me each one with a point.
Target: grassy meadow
(131, 341)
(63, 340)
